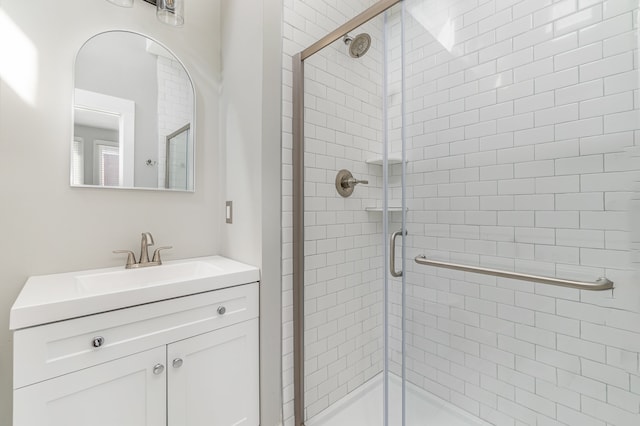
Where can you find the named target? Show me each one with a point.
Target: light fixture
(168, 11)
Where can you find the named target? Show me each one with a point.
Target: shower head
(358, 45)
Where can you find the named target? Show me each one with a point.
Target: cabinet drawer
(54, 349)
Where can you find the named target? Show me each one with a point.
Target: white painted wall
(250, 133)
(241, 125)
(271, 390)
(48, 227)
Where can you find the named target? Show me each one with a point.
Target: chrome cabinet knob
(222, 310)
(177, 363)
(97, 341)
(158, 369)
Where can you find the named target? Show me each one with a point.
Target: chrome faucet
(147, 240)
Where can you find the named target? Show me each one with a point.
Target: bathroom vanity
(175, 344)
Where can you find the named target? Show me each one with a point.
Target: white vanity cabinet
(184, 361)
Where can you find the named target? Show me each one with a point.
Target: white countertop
(49, 298)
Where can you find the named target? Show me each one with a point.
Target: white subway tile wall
(521, 128)
(343, 274)
(547, 128)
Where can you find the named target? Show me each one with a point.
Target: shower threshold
(363, 407)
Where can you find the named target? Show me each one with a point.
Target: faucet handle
(131, 258)
(156, 254)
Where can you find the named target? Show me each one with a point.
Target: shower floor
(363, 407)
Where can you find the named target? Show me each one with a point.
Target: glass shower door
(352, 206)
(394, 215)
(343, 264)
(522, 122)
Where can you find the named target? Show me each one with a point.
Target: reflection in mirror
(178, 159)
(101, 121)
(133, 115)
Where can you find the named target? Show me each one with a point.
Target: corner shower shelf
(392, 159)
(379, 209)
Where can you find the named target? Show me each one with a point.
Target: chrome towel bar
(600, 284)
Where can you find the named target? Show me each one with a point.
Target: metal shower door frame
(298, 192)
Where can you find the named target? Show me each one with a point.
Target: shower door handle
(392, 256)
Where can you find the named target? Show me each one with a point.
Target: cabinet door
(213, 378)
(128, 391)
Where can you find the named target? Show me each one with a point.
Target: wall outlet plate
(229, 212)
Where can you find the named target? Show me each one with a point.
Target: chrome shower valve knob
(345, 183)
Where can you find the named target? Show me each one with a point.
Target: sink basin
(128, 279)
(50, 298)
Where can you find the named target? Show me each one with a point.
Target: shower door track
(298, 193)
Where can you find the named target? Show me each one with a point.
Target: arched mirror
(133, 115)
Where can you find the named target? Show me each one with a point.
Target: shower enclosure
(464, 188)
